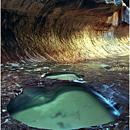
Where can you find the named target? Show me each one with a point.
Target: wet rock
(116, 84)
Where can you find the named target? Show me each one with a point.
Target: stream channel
(109, 77)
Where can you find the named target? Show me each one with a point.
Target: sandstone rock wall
(64, 30)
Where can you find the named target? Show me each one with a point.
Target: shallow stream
(109, 77)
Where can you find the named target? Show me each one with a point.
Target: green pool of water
(69, 110)
(63, 77)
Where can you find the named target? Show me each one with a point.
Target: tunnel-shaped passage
(67, 106)
(67, 31)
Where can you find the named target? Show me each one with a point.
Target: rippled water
(109, 77)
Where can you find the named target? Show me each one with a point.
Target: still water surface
(109, 77)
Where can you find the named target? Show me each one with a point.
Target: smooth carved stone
(64, 31)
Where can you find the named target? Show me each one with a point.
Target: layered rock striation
(64, 30)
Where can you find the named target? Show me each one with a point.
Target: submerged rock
(66, 106)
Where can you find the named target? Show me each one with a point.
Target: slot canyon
(45, 42)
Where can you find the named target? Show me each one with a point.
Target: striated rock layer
(64, 30)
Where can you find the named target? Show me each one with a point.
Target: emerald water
(70, 110)
(108, 76)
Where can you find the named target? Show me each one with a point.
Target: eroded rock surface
(64, 31)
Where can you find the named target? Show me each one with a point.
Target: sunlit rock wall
(64, 30)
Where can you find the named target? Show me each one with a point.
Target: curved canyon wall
(64, 30)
